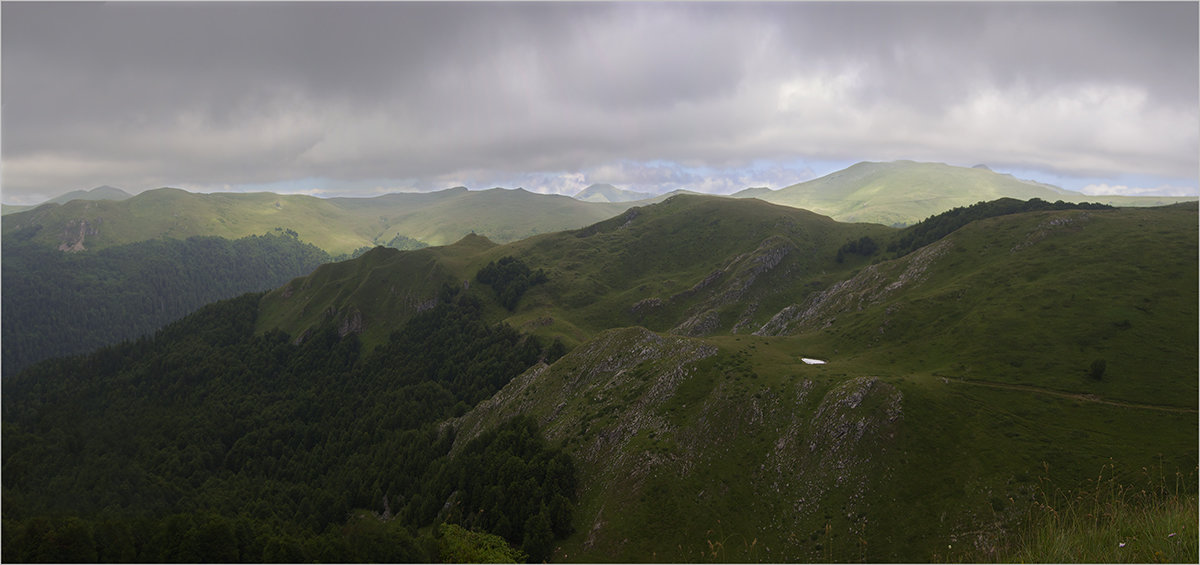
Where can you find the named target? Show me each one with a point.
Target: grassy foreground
(1108, 521)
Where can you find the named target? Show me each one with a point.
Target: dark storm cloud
(209, 94)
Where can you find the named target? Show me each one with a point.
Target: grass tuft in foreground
(1108, 521)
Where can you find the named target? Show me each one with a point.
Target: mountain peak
(753, 192)
(902, 191)
(109, 192)
(602, 192)
(103, 192)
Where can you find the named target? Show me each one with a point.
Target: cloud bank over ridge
(340, 98)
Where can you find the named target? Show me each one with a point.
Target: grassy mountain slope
(371, 295)
(1031, 299)
(957, 377)
(698, 264)
(338, 225)
(905, 192)
(704, 262)
(731, 449)
(179, 214)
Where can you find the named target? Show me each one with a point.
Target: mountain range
(692, 378)
(905, 192)
(337, 225)
(952, 374)
(895, 193)
(104, 192)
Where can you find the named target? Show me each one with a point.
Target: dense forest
(57, 303)
(208, 442)
(510, 277)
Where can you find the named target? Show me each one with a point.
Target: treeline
(210, 443)
(57, 303)
(936, 227)
(510, 278)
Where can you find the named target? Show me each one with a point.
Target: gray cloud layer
(208, 94)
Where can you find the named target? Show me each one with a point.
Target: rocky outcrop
(640, 367)
(700, 324)
(870, 286)
(1056, 224)
(841, 451)
(728, 286)
(637, 408)
(76, 231)
(352, 323)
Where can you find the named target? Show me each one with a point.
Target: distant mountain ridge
(906, 192)
(337, 225)
(895, 193)
(610, 193)
(103, 192)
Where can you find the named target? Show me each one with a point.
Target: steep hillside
(703, 264)
(956, 378)
(57, 304)
(371, 295)
(732, 449)
(338, 225)
(905, 192)
(1033, 299)
(207, 443)
(695, 264)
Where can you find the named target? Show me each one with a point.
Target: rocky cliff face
(76, 231)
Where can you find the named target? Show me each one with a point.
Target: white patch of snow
(808, 361)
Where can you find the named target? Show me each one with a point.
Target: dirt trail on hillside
(1072, 395)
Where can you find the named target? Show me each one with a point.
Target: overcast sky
(364, 98)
